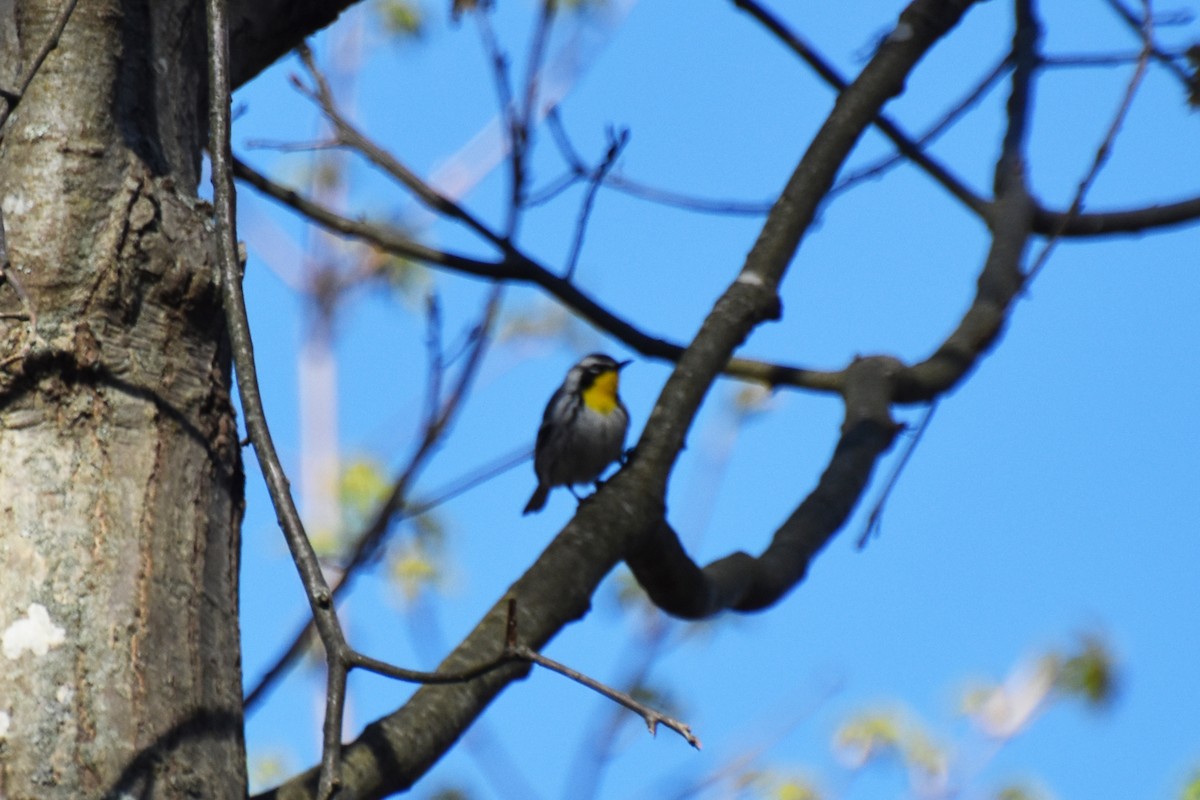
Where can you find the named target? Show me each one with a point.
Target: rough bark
(120, 477)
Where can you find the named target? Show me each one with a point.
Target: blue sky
(1053, 495)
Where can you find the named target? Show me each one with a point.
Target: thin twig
(436, 358)
(518, 267)
(1103, 59)
(1105, 148)
(931, 135)
(577, 171)
(652, 717)
(315, 587)
(525, 116)
(514, 650)
(616, 143)
(566, 149)
(702, 205)
(875, 518)
(910, 149)
(1139, 27)
(367, 543)
(387, 670)
(299, 642)
(509, 113)
(349, 135)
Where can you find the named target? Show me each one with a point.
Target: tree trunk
(120, 473)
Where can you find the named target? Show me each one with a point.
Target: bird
(583, 428)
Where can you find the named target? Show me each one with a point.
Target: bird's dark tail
(538, 501)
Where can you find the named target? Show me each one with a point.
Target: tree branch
(349, 136)
(394, 751)
(518, 268)
(234, 302)
(263, 31)
(904, 143)
(368, 541)
(1106, 144)
(1109, 223)
(746, 583)
(742, 582)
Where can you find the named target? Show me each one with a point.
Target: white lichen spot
(15, 205)
(5, 721)
(34, 632)
(902, 33)
(65, 694)
(751, 278)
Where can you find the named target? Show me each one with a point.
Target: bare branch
(517, 267)
(616, 143)
(577, 171)
(349, 136)
(1116, 223)
(1110, 136)
(875, 518)
(956, 111)
(652, 717)
(872, 385)
(910, 149)
(743, 582)
(317, 591)
(1140, 28)
(703, 205)
(523, 120)
(438, 422)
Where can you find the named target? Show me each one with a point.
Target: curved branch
(742, 582)
(1001, 279)
(746, 583)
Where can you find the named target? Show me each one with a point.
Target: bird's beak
(623, 364)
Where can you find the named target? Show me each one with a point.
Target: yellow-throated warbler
(583, 428)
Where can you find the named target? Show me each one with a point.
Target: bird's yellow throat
(601, 396)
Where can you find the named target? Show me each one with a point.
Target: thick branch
(742, 582)
(745, 583)
(751, 298)
(1012, 224)
(263, 31)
